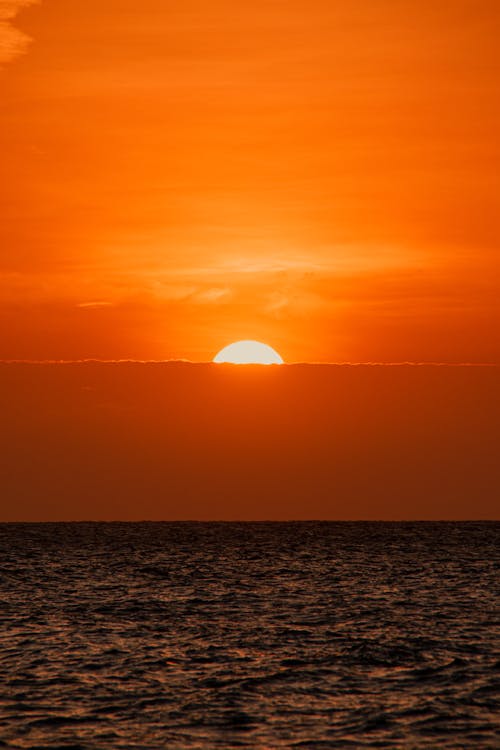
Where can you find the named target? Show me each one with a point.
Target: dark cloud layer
(182, 441)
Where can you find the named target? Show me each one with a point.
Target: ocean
(249, 635)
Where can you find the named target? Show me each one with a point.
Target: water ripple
(296, 635)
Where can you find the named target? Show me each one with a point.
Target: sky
(322, 176)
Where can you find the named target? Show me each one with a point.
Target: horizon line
(260, 520)
(93, 360)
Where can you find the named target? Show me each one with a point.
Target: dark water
(248, 635)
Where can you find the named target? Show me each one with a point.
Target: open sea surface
(261, 635)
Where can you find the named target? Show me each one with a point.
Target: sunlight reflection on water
(248, 635)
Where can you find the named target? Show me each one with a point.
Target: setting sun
(300, 554)
(248, 353)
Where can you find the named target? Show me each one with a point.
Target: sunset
(249, 373)
(322, 176)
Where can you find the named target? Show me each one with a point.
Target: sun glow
(248, 353)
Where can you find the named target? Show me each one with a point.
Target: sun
(248, 353)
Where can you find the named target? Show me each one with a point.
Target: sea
(249, 635)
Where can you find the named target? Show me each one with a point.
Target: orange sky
(320, 175)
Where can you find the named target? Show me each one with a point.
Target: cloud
(12, 41)
(94, 304)
(214, 294)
